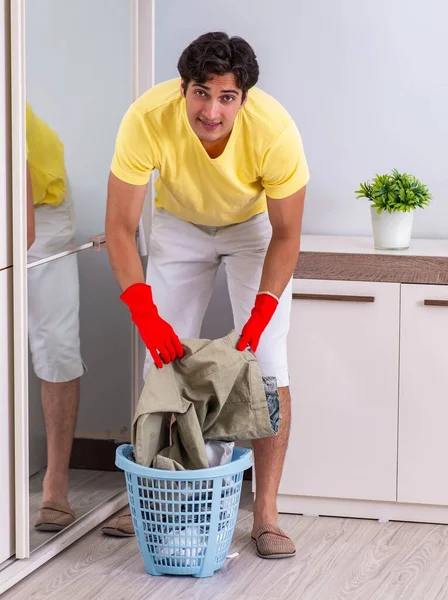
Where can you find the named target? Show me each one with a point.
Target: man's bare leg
(60, 403)
(269, 456)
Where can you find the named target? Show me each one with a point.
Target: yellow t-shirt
(264, 156)
(45, 157)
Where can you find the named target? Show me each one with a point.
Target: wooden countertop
(355, 259)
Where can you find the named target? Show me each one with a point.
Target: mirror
(78, 67)
(78, 413)
(78, 82)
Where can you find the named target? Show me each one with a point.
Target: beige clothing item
(215, 392)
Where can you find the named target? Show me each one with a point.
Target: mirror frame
(20, 287)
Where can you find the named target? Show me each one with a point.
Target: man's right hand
(158, 335)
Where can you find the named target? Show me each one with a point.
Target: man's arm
(285, 216)
(30, 216)
(124, 208)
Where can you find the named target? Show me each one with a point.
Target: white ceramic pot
(392, 231)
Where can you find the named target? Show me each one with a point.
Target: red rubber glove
(261, 314)
(158, 335)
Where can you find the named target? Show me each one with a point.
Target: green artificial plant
(395, 192)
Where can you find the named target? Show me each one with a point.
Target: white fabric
(53, 297)
(188, 542)
(219, 453)
(182, 266)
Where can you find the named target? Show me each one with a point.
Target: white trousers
(53, 297)
(182, 266)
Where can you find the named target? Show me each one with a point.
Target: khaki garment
(215, 392)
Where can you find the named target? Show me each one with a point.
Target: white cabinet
(423, 421)
(369, 387)
(343, 355)
(6, 417)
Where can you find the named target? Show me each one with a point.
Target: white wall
(366, 82)
(79, 81)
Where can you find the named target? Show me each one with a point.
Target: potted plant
(394, 198)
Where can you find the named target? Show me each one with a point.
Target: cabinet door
(343, 355)
(423, 415)
(6, 420)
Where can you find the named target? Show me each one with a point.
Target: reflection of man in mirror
(53, 312)
(231, 189)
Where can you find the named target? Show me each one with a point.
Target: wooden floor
(88, 489)
(336, 559)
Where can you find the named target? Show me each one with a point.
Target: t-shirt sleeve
(284, 169)
(133, 160)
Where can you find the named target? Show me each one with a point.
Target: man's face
(212, 106)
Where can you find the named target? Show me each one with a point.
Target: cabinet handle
(334, 297)
(436, 302)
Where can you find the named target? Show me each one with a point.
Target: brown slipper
(273, 542)
(119, 526)
(53, 517)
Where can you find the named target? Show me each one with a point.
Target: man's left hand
(262, 312)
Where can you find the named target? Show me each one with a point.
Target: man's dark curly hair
(216, 53)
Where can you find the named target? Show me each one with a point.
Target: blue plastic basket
(184, 520)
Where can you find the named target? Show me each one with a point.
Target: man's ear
(182, 88)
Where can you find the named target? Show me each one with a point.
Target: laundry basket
(184, 520)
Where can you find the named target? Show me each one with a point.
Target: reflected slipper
(53, 517)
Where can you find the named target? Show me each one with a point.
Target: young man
(53, 312)
(231, 188)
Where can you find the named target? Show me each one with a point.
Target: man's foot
(55, 512)
(53, 516)
(121, 526)
(55, 489)
(272, 542)
(264, 513)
